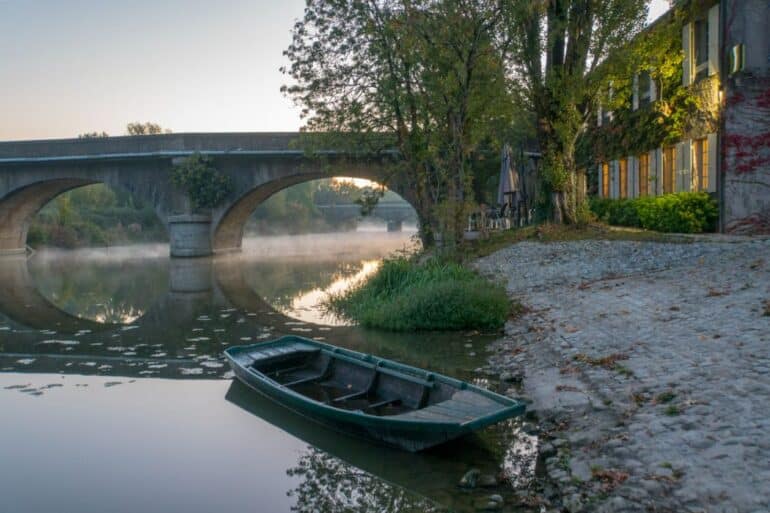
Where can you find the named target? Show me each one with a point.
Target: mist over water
(114, 390)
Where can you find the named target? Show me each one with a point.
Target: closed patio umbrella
(509, 178)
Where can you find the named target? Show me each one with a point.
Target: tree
(556, 48)
(93, 135)
(147, 128)
(427, 74)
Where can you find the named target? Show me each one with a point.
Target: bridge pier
(395, 226)
(189, 235)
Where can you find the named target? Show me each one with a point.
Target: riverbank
(647, 364)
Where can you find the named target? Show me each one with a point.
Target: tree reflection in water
(329, 485)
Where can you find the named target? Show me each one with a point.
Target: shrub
(684, 212)
(404, 295)
(206, 187)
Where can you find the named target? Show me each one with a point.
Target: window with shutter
(713, 40)
(700, 53)
(623, 173)
(644, 88)
(605, 180)
(669, 164)
(712, 162)
(687, 50)
(700, 167)
(644, 174)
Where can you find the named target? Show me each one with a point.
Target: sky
(73, 66)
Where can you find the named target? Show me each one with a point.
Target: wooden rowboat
(366, 396)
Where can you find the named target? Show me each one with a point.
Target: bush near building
(684, 212)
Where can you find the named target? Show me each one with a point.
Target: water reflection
(136, 315)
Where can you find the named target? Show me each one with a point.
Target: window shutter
(633, 177)
(599, 181)
(656, 165)
(713, 152)
(683, 166)
(714, 40)
(687, 62)
(635, 92)
(653, 90)
(615, 170)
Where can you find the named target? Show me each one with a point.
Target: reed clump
(409, 294)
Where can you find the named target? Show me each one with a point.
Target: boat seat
(461, 407)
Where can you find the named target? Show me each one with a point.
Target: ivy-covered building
(689, 110)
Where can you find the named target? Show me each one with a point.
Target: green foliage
(675, 112)
(147, 128)
(432, 74)
(684, 212)
(94, 215)
(557, 47)
(205, 186)
(406, 295)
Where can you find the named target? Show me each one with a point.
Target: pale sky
(74, 66)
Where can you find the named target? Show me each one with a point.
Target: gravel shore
(648, 365)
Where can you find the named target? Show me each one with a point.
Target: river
(115, 396)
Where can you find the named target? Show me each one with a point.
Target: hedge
(684, 212)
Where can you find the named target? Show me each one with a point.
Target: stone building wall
(745, 138)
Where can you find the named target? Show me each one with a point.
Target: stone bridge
(32, 173)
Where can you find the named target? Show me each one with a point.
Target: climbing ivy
(676, 112)
(204, 184)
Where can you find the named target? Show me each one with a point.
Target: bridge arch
(19, 206)
(228, 227)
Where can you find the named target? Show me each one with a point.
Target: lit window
(669, 162)
(644, 174)
(701, 165)
(605, 180)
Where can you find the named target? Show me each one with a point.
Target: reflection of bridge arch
(194, 285)
(23, 303)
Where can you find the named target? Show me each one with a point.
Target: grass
(406, 294)
(548, 232)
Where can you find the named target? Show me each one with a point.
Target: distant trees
(147, 128)
(93, 135)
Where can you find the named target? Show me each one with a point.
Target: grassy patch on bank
(410, 295)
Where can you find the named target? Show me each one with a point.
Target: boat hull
(412, 438)
(448, 408)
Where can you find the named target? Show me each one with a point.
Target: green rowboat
(366, 396)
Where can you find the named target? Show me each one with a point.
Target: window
(605, 180)
(644, 88)
(669, 163)
(701, 48)
(700, 168)
(623, 174)
(644, 174)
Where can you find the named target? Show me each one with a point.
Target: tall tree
(428, 73)
(557, 48)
